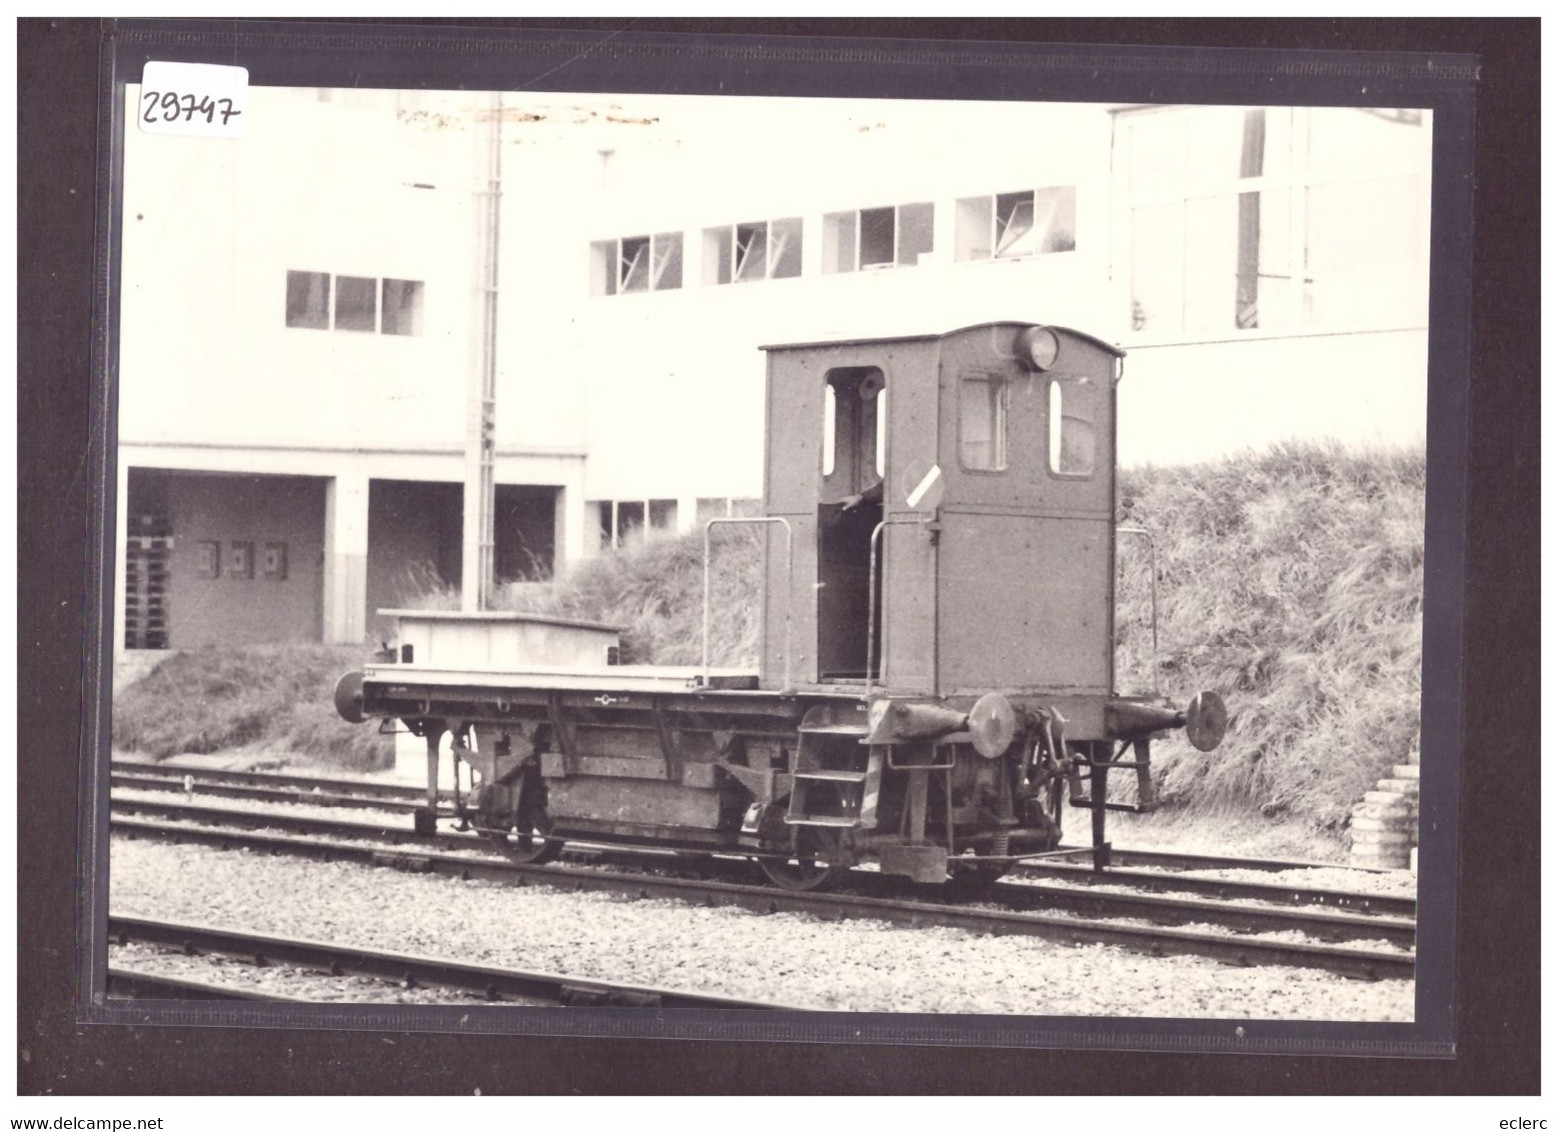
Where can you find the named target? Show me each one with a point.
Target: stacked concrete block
(1414, 756)
(1384, 824)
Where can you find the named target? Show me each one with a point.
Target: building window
(308, 300)
(750, 253)
(725, 507)
(895, 236)
(636, 263)
(319, 301)
(630, 521)
(1274, 218)
(402, 307)
(1024, 223)
(623, 521)
(356, 303)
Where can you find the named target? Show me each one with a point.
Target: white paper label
(196, 100)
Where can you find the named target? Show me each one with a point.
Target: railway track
(1148, 870)
(326, 960)
(1070, 914)
(124, 982)
(1154, 870)
(264, 786)
(1219, 888)
(1173, 860)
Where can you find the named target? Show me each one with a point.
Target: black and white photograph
(676, 556)
(839, 554)
(608, 549)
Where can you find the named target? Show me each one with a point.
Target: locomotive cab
(950, 500)
(949, 504)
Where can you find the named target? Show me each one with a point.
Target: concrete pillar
(120, 531)
(687, 514)
(943, 237)
(571, 525)
(560, 525)
(346, 559)
(811, 249)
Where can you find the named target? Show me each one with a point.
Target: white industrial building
(302, 310)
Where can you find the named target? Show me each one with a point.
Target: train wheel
(525, 847)
(803, 872)
(522, 836)
(977, 877)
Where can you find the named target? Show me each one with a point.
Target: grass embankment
(654, 592)
(1290, 582)
(259, 698)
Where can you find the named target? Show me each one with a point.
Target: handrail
(789, 596)
(1152, 562)
(876, 533)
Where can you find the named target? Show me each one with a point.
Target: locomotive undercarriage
(805, 787)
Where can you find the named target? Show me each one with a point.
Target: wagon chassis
(718, 724)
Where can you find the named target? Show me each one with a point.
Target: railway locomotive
(936, 677)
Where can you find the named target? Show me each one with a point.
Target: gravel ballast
(857, 965)
(1390, 882)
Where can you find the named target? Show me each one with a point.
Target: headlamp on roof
(1038, 347)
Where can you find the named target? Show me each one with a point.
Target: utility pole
(476, 581)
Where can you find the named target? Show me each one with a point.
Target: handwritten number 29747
(172, 106)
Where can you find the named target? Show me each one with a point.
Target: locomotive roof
(1099, 342)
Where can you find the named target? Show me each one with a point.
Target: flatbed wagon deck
(556, 677)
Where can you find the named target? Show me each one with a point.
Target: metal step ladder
(836, 778)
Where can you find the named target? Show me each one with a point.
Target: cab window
(982, 405)
(1072, 431)
(854, 426)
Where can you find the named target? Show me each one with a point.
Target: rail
(1152, 568)
(789, 596)
(495, 984)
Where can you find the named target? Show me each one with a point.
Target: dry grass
(1292, 583)
(1224, 831)
(258, 697)
(654, 591)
